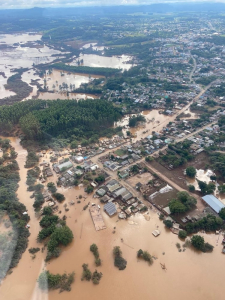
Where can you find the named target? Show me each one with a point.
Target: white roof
(156, 232)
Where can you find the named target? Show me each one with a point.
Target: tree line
(41, 120)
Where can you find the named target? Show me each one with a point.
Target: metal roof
(66, 164)
(110, 208)
(213, 202)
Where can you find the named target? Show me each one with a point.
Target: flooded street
(193, 271)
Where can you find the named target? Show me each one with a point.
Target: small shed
(156, 232)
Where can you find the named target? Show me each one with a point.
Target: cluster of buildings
(114, 192)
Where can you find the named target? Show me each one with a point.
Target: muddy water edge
(189, 274)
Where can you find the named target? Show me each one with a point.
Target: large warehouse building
(213, 202)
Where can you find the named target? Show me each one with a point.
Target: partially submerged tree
(119, 261)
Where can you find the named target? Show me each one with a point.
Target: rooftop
(213, 202)
(110, 208)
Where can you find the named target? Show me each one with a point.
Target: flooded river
(189, 274)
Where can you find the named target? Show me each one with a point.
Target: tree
(149, 158)
(203, 187)
(208, 247)
(147, 257)
(117, 251)
(94, 249)
(62, 235)
(222, 213)
(100, 179)
(89, 189)
(134, 169)
(59, 197)
(47, 221)
(182, 234)
(120, 262)
(51, 187)
(96, 276)
(221, 189)
(191, 188)
(188, 201)
(74, 145)
(191, 171)
(198, 242)
(211, 188)
(213, 177)
(176, 206)
(168, 223)
(47, 211)
(47, 280)
(86, 273)
(140, 253)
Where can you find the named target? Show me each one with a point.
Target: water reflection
(93, 60)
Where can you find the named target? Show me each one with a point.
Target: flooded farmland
(138, 280)
(94, 46)
(65, 96)
(22, 51)
(93, 60)
(58, 80)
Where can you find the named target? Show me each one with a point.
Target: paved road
(165, 178)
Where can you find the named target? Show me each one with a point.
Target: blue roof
(213, 202)
(110, 208)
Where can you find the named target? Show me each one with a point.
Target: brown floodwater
(57, 78)
(154, 122)
(189, 274)
(203, 175)
(93, 60)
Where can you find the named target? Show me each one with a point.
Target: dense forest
(61, 118)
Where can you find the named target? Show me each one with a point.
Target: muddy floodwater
(188, 275)
(93, 60)
(60, 80)
(154, 122)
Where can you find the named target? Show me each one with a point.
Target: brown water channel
(189, 274)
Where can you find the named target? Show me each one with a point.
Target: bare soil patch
(142, 178)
